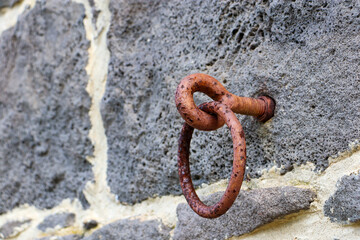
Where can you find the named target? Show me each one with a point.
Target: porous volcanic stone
(344, 205)
(8, 3)
(10, 229)
(251, 209)
(132, 230)
(305, 54)
(68, 237)
(62, 220)
(44, 107)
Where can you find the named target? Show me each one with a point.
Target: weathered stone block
(131, 229)
(8, 3)
(344, 205)
(251, 209)
(11, 228)
(68, 237)
(303, 54)
(44, 107)
(62, 220)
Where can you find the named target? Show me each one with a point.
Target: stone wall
(89, 127)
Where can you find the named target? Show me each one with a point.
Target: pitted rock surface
(8, 3)
(251, 209)
(11, 228)
(344, 205)
(44, 107)
(68, 237)
(61, 220)
(132, 230)
(304, 54)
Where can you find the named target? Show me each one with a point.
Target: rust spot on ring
(239, 161)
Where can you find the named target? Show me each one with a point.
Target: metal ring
(237, 175)
(262, 108)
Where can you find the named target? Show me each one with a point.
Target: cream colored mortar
(105, 209)
(97, 71)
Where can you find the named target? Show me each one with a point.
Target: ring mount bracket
(269, 109)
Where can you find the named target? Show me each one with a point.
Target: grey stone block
(303, 54)
(9, 229)
(68, 237)
(60, 219)
(44, 122)
(8, 3)
(131, 229)
(344, 205)
(251, 209)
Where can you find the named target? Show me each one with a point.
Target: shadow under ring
(238, 169)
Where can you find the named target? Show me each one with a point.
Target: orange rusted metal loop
(237, 174)
(262, 108)
(210, 116)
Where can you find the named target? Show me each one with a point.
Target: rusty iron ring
(262, 108)
(237, 175)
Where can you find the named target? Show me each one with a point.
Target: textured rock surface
(10, 229)
(344, 205)
(62, 220)
(131, 229)
(250, 210)
(44, 107)
(305, 54)
(8, 3)
(68, 237)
